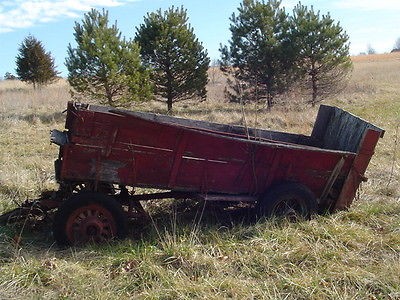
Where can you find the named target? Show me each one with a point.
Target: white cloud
(370, 5)
(23, 14)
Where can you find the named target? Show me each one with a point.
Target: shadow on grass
(177, 218)
(193, 215)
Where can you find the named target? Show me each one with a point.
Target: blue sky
(366, 21)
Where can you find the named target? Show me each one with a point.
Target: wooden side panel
(337, 129)
(136, 151)
(222, 129)
(357, 171)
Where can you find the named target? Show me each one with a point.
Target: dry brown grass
(376, 58)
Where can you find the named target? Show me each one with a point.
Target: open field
(348, 255)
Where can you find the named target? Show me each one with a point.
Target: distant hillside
(376, 57)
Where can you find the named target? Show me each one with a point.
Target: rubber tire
(304, 200)
(79, 200)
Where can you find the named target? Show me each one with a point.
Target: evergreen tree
(260, 56)
(178, 60)
(323, 52)
(104, 66)
(370, 49)
(34, 64)
(397, 44)
(9, 76)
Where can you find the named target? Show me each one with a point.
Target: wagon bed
(216, 160)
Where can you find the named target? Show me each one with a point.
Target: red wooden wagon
(105, 153)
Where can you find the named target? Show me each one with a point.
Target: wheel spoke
(89, 217)
(94, 223)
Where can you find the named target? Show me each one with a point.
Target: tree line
(269, 53)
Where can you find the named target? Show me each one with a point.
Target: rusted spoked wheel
(288, 200)
(88, 217)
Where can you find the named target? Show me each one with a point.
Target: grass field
(353, 254)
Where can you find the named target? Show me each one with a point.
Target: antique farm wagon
(106, 153)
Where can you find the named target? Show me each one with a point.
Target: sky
(367, 22)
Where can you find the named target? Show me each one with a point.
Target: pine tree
(34, 64)
(178, 60)
(397, 44)
(323, 52)
(260, 56)
(9, 76)
(104, 66)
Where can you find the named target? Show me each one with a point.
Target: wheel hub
(92, 223)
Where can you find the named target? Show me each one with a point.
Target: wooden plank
(357, 171)
(334, 175)
(336, 129)
(229, 130)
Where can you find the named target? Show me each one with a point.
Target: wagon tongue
(31, 208)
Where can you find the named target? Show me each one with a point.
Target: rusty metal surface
(135, 150)
(30, 209)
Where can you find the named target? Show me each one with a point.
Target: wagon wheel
(288, 200)
(88, 217)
